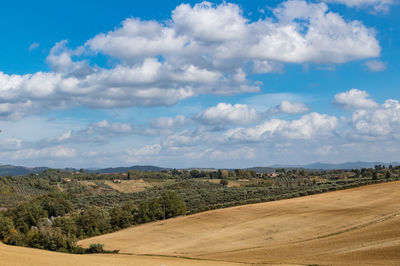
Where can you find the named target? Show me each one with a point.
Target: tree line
(50, 222)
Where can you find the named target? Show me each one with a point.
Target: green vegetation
(54, 209)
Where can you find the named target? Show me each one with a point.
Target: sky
(225, 84)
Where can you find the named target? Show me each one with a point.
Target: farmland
(55, 210)
(356, 226)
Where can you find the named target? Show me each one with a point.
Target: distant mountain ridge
(328, 166)
(13, 170)
(111, 170)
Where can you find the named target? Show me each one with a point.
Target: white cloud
(377, 5)
(47, 152)
(188, 138)
(206, 22)
(33, 46)
(100, 133)
(146, 150)
(169, 122)
(14, 142)
(203, 49)
(265, 66)
(308, 32)
(60, 60)
(355, 99)
(207, 33)
(381, 121)
(64, 136)
(289, 108)
(137, 38)
(375, 65)
(226, 113)
(233, 154)
(307, 127)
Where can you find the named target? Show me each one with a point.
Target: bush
(95, 248)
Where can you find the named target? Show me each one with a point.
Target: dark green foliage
(56, 204)
(93, 221)
(95, 248)
(224, 182)
(46, 218)
(120, 217)
(172, 204)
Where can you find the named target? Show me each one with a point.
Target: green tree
(224, 182)
(388, 175)
(120, 218)
(374, 175)
(93, 221)
(172, 204)
(6, 227)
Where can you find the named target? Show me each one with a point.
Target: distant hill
(328, 166)
(260, 169)
(111, 170)
(12, 170)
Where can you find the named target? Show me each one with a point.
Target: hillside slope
(19, 256)
(355, 226)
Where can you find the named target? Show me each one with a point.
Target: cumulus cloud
(312, 136)
(323, 36)
(204, 48)
(381, 121)
(307, 127)
(99, 132)
(376, 5)
(145, 150)
(169, 122)
(265, 66)
(355, 99)
(60, 60)
(375, 65)
(288, 107)
(112, 127)
(188, 138)
(226, 113)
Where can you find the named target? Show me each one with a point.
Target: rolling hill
(359, 226)
(354, 226)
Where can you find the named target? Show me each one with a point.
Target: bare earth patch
(128, 185)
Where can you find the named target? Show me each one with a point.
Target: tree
(93, 221)
(56, 204)
(388, 175)
(6, 226)
(223, 174)
(172, 204)
(374, 175)
(224, 182)
(120, 218)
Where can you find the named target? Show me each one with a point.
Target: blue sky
(205, 84)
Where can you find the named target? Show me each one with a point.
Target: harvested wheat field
(19, 256)
(359, 226)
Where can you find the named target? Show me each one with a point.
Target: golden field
(358, 226)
